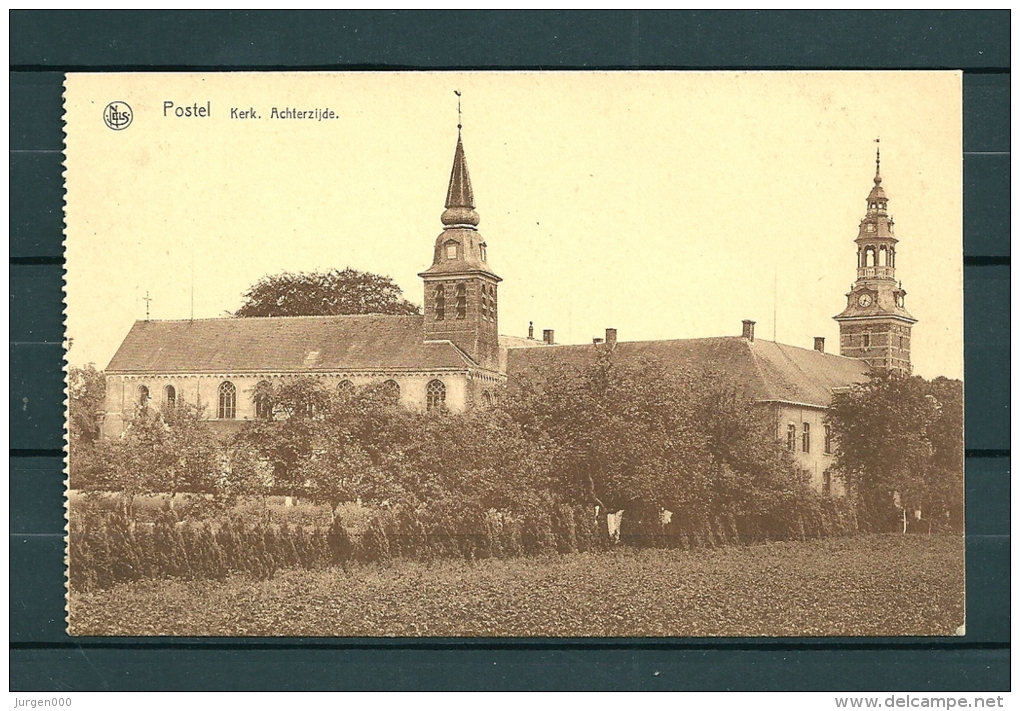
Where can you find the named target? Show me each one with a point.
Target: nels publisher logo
(118, 115)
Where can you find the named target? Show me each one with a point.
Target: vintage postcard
(515, 354)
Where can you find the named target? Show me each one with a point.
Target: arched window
(883, 257)
(487, 398)
(263, 401)
(227, 407)
(440, 302)
(170, 396)
(143, 395)
(805, 444)
(892, 257)
(481, 248)
(391, 390)
(345, 388)
(435, 395)
(461, 301)
(869, 256)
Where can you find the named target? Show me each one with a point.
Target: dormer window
(481, 248)
(451, 250)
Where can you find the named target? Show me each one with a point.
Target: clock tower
(875, 325)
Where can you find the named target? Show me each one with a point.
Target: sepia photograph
(514, 354)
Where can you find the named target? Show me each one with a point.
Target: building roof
(284, 345)
(762, 370)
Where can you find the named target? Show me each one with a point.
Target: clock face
(864, 300)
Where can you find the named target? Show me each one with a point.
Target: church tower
(875, 326)
(460, 287)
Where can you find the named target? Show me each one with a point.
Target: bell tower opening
(875, 326)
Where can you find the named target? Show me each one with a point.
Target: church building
(452, 356)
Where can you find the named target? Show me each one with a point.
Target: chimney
(610, 337)
(547, 337)
(531, 331)
(748, 329)
(819, 344)
(596, 341)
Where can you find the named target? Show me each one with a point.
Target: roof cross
(146, 300)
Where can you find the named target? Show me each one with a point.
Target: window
(481, 248)
(227, 407)
(827, 483)
(345, 389)
(263, 401)
(866, 340)
(170, 396)
(451, 250)
(487, 398)
(461, 301)
(391, 391)
(791, 437)
(488, 303)
(805, 442)
(143, 396)
(828, 439)
(435, 395)
(440, 302)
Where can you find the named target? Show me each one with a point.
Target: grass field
(868, 585)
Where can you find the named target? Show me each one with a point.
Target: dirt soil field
(868, 585)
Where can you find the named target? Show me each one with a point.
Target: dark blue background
(46, 44)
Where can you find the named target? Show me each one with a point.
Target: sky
(664, 204)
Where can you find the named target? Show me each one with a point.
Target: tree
(332, 293)
(167, 451)
(86, 392)
(899, 447)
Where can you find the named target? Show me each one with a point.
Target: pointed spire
(460, 200)
(878, 163)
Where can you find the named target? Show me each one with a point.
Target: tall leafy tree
(86, 391)
(900, 448)
(331, 293)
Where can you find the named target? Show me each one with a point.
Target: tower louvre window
(805, 444)
(461, 301)
(440, 302)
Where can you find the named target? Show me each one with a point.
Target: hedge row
(110, 547)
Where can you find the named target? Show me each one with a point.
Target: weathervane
(459, 126)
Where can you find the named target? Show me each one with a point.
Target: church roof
(284, 345)
(762, 370)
